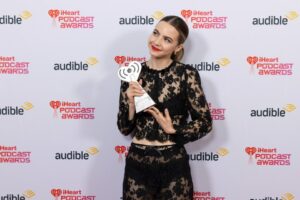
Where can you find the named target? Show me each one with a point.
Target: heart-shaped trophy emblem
(131, 72)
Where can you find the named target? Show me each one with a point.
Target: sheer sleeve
(201, 121)
(125, 125)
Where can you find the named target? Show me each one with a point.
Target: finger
(155, 109)
(141, 81)
(153, 113)
(137, 87)
(138, 90)
(137, 94)
(167, 114)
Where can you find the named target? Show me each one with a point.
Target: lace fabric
(157, 173)
(176, 87)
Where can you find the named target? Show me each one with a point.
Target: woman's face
(163, 41)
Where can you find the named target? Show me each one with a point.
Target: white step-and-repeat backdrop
(60, 91)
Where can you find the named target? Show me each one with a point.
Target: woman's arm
(201, 122)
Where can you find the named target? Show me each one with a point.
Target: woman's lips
(154, 48)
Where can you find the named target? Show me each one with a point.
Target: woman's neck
(159, 63)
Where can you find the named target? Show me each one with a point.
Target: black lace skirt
(157, 173)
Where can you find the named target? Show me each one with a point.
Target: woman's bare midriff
(151, 143)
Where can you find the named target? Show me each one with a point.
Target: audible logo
(211, 66)
(275, 20)
(15, 110)
(13, 19)
(158, 15)
(286, 196)
(292, 15)
(76, 66)
(273, 112)
(209, 156)
(29, 194)
(8, 19)
(75, 155)
(9, 110)
(204, 156)
(12, 197)
(136, 20)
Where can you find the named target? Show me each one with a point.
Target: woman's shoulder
(186, 67)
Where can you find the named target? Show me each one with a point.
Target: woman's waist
(144, 141)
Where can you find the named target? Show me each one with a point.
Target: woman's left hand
(164, 121)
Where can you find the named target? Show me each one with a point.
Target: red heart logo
(120, 149)
(120, 59)
(56, 192)
(53, 13)
(55, 104)
(252, 60)
(186, 13)
(250, 150)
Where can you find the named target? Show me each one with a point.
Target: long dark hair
(183, 30)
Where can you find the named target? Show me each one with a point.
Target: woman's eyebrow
(165, 36)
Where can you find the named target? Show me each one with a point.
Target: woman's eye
(168, 40)
(155, 33)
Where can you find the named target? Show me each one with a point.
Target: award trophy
(131, 73)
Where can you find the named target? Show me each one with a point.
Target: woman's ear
(178, 48)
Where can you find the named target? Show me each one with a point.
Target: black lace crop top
(176, 87)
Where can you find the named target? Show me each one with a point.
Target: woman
(157, 166)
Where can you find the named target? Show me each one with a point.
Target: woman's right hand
(133, 90)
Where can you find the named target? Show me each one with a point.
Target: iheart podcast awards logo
(66, 194)
(11, 65)
(268, 156)
(67, 110)
(11, 154)
(122, 151)
(125, 60)
(269, 66)
(204, 19)
(206, 196)
(71, 19)
(217, 113)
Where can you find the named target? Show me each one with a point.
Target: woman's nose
(157, 41)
